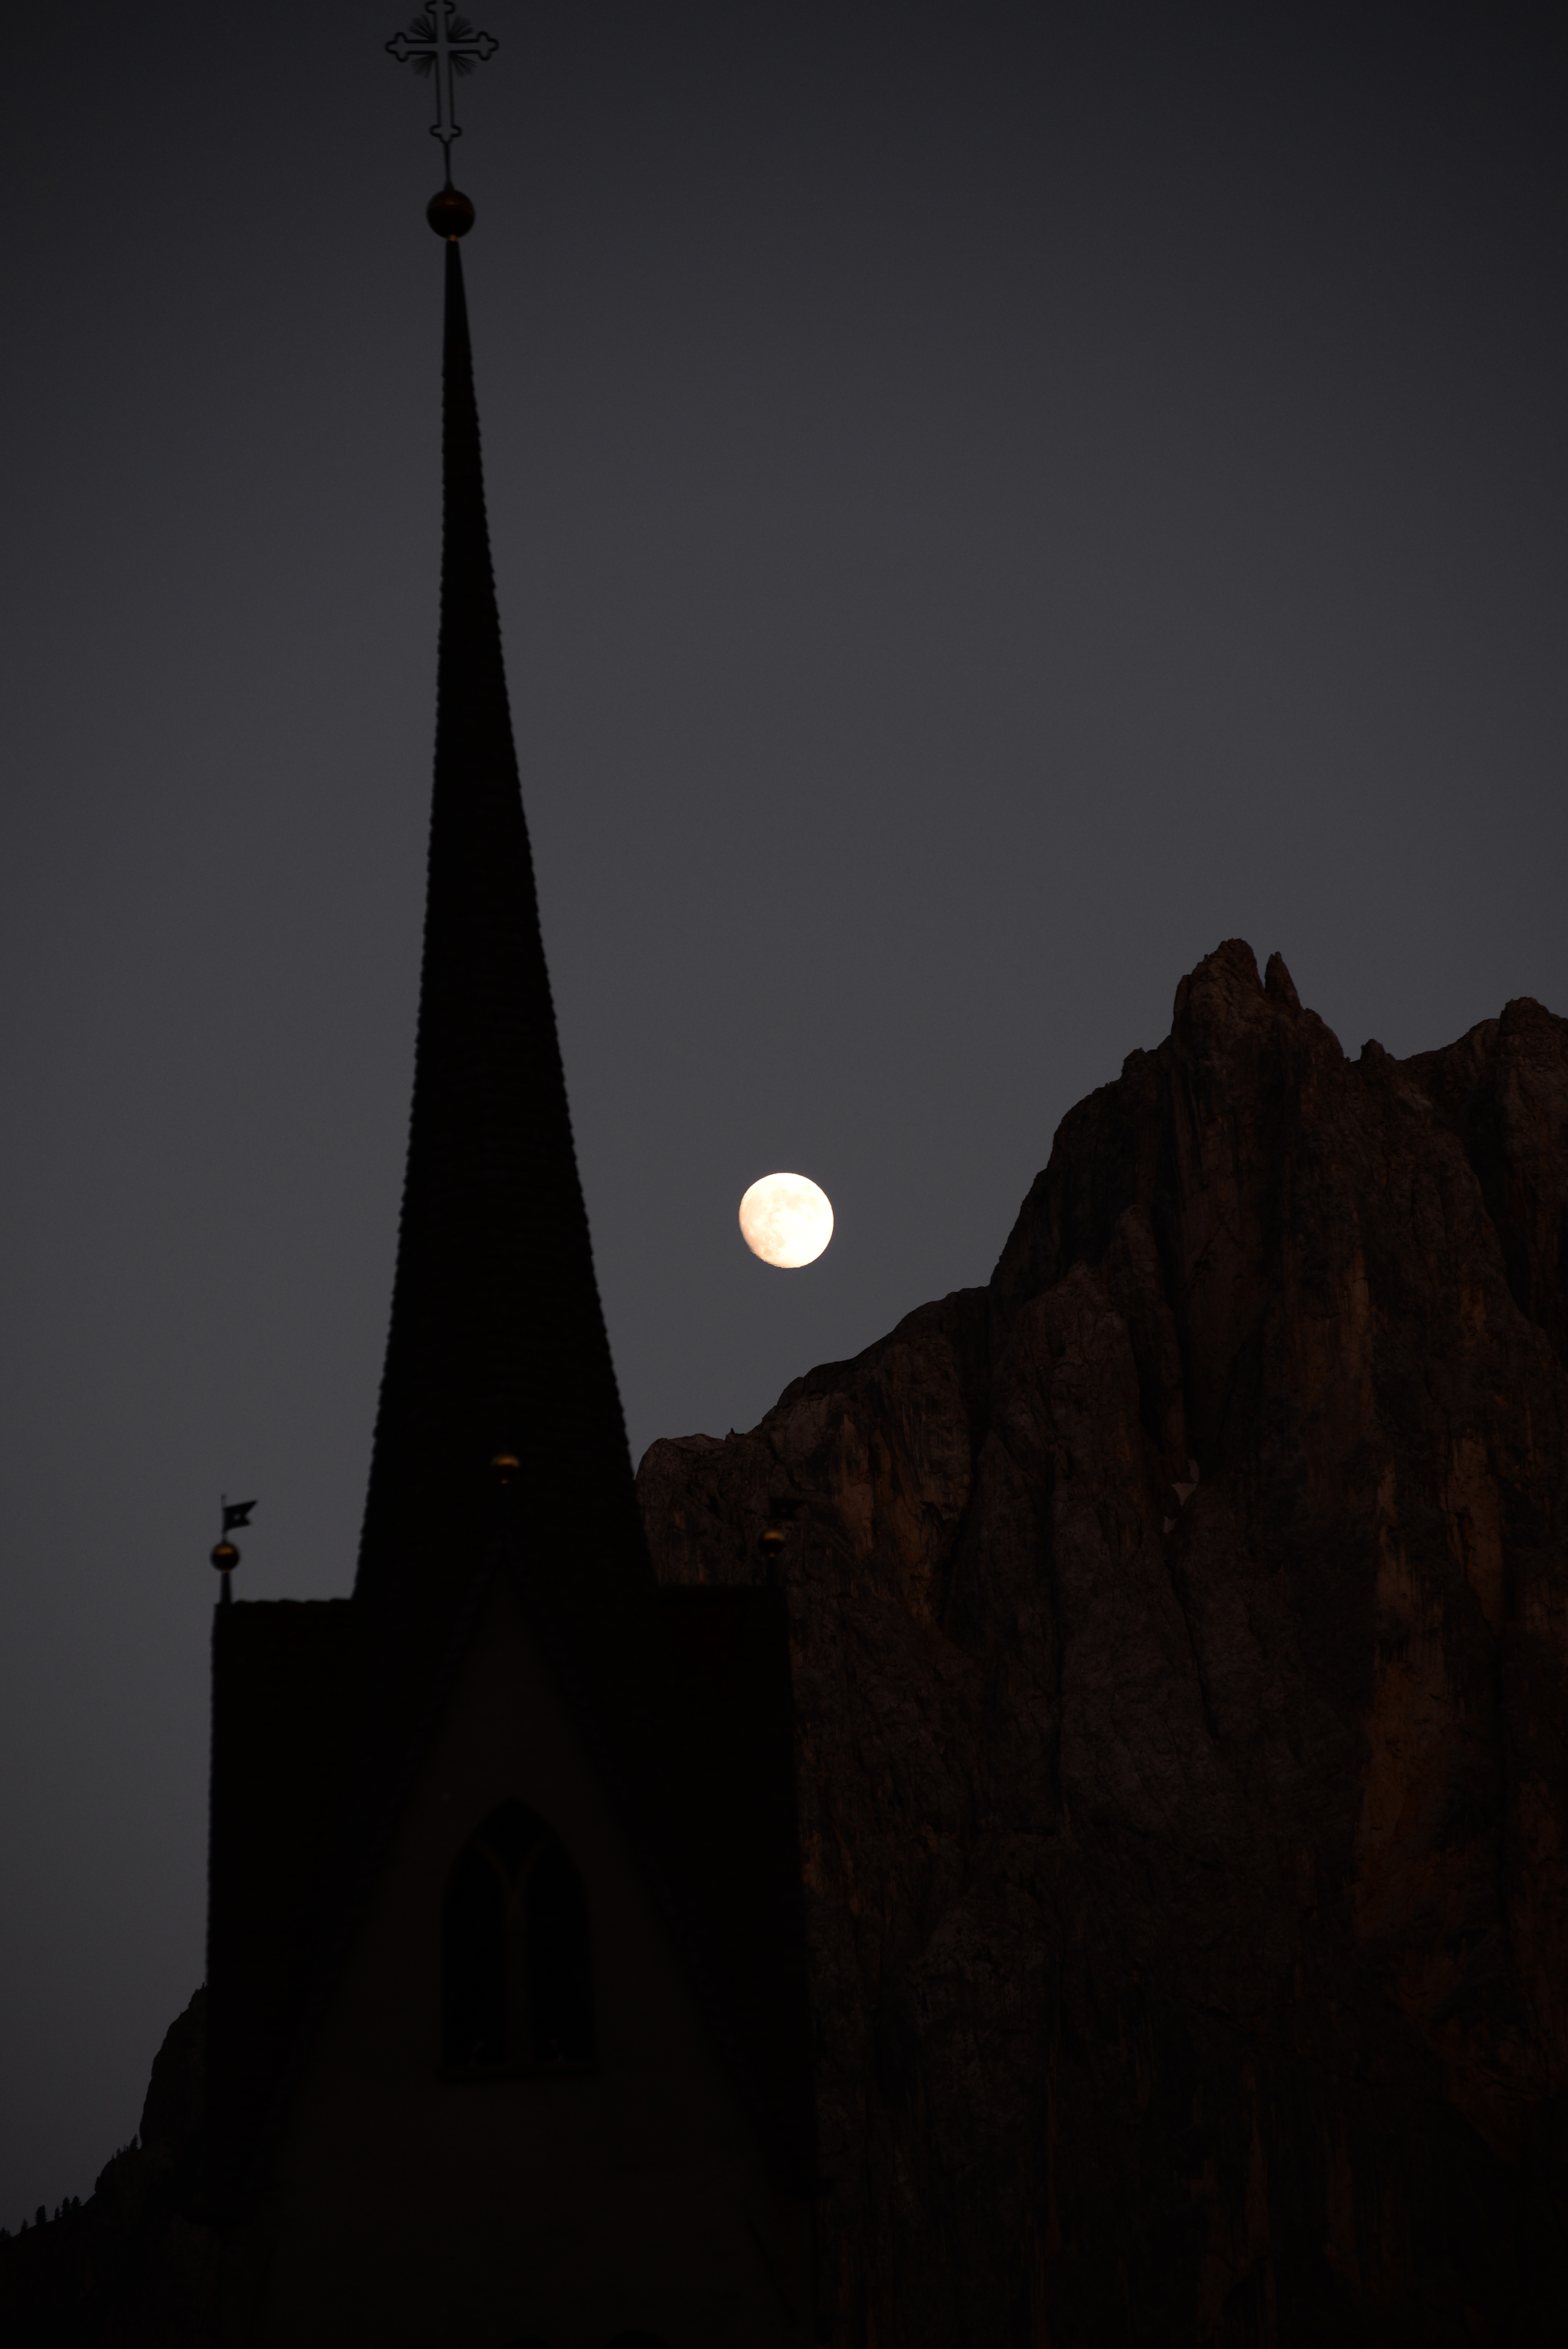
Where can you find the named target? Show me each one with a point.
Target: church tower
(508, 2026)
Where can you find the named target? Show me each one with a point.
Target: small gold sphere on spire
(503, 1467)
(226, 1557)
(449, 212)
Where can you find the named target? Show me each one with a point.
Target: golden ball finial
(449, 212)
(503, 1467)
(772, 1542)
(226, 1557)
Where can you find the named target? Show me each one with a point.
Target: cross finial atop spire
(442, 43)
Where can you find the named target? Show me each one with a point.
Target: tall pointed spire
(497, 1346)
(498, 1358)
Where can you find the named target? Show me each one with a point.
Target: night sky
(987, 503)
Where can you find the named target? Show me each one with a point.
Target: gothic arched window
(516, 1979)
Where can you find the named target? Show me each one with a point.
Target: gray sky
(987, 503)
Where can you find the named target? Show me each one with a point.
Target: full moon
(786, 1220)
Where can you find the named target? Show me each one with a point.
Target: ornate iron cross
(442, 43)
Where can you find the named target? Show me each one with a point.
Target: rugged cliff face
(1180, 1631)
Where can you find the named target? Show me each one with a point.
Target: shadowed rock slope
(1180, 1647)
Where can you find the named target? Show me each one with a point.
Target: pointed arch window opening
(517, 1957)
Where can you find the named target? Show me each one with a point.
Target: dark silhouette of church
(1181, 1754)
(507, 2035)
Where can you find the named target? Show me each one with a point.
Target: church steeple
(498, 1344)
(500, 1494)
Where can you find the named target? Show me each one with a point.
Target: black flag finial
(226, 1557)
(440, 42)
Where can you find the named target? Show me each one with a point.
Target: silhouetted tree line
(41, 2217)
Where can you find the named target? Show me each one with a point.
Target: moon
(786, 1219)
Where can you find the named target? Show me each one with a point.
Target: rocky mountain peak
(1180, 1626)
